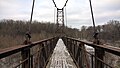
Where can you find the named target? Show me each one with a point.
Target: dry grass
(9, 41)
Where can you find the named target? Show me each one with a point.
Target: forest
(13, 32)
(107, 33)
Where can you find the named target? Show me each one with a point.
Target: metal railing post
(82, 58)
(92, 64)
(26, 56)
(100, 54)
(78, 55)
(31, 61)
(40, 49)
(44, 51)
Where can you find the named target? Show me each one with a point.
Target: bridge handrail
(83, 58)
(15, 49)
(108, 48)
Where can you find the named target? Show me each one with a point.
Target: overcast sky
(77, 11)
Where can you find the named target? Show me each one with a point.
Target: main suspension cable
(96, 40)
(65, 3)
(54, 3)
(31, 15)
(93, 20)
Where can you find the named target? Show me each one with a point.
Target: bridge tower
(60, 19)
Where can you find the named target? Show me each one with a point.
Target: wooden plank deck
(60, 57)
